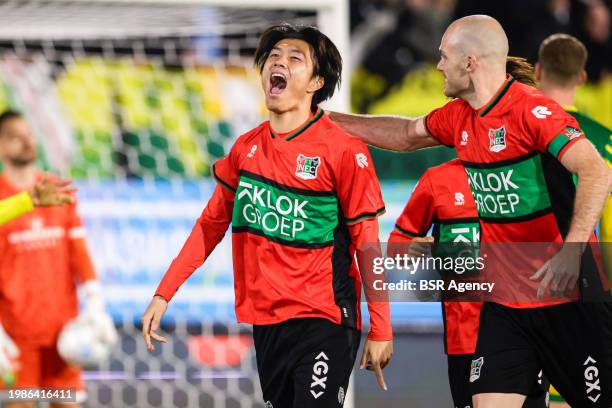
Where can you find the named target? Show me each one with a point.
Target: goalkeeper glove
(93, 312)
(8, 354)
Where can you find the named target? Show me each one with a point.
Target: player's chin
(274, 103)
(449, 92)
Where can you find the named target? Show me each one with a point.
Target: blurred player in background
(46, 193)
(303, 197)
(560, 71)
(525, 141)
(442, 199)
(43, 257)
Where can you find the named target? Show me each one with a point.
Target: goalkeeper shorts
(42, 367)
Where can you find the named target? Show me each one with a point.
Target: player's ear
(582, 77)
(316, 83)
(470, 63)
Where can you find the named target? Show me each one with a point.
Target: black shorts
(571, 343)
(305, 362)
(459, 379)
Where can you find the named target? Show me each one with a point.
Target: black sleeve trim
(406, 232)
(364, 216)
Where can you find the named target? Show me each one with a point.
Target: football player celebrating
(303, 198)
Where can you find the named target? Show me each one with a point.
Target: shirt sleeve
(417, 216)
(226, 170)
(440, 122)
(207, 232)
(357, 185)
(14, 206)
(364, 235)
(550, 128)
(361, 201)
(81, 264)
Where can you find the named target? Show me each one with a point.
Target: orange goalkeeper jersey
(43, 256)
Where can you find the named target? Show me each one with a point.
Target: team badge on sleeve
(497, 139)
(572, 133)
(307, 167)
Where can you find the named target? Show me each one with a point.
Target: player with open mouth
(303, 198)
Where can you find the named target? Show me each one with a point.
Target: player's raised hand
(561, 272)
(52, 191)
(151, 319)
(376, 356)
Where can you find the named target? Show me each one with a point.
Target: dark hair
(562, 58)
(8, 115)
(521, 70)
(327, 62)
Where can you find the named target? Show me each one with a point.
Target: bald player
(520, 150)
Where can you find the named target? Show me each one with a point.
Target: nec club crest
(476, 369)
(307, 167)
(572, 133)
(497, 139)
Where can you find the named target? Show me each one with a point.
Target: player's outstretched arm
(51, 191)
(594, 183)
(208, 231)
(387, 132)
(47, 192)
(14, 206)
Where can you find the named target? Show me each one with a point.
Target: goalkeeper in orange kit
(44, 257)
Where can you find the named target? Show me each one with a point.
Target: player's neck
(484, 89)
(287, 121)
(22, 177)
(563, 96)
